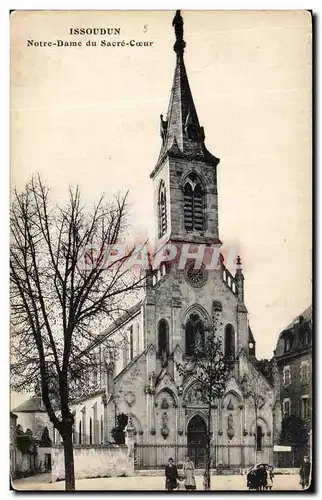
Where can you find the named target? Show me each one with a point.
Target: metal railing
(149, 456)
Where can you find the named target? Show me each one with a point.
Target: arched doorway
(197, 440)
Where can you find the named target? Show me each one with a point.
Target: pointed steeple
(181, 133)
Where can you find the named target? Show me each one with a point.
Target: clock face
(251, 345)
(195, 277)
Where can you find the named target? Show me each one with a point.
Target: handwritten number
(145, 29)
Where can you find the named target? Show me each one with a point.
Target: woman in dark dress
(171, 476)
(305, 472)
(262, 477)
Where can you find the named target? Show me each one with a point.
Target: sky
(90, 116)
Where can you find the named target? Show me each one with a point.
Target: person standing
(189, 473)
(262, 477)
(270, 477)
(171, 476)
(305, 472)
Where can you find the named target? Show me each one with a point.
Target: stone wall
(94, 461)
(24, 462)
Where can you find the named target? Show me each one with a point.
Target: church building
(179, 307)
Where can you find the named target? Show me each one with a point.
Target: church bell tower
(185, 175)
(194, 287)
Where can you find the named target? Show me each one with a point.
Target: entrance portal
(197, 441)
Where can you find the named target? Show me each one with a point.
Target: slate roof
(307, 315)
(181, 116)
(294, 331)
(33, 404)
(117, 323)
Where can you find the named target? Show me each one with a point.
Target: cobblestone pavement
(219, 483)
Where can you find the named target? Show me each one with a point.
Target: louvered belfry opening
(162, 210)
(193, 205)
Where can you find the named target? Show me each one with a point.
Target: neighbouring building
(34, 452)
(294, 358)
(32, 415)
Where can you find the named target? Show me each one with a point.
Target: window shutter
(162, 210)
(193, 206)
(198, 209)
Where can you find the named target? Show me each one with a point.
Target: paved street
(237, 483)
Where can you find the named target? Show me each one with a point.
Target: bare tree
(208, 370)
(63, 287)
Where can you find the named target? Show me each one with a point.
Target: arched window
(162, 210)
(229, 341)
(259, 438)
(80, 432)
(90, 431)
(195, 336)
(163, 337)
(193, 204)
(102, 430)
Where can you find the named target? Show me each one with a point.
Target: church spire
(181, 133)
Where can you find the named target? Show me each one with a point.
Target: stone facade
(143, 381)
(294, 357)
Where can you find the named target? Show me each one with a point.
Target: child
(270, 476)
(171, 474)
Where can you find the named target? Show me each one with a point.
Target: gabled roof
(254, 362)
(129, 365)
(250, 335)
(117, 324)
(32, 405)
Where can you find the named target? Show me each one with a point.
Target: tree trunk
(69, 461)
(207, 476)
(255, 405)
